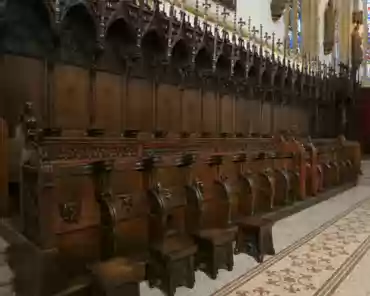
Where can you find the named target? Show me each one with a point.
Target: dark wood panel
(253, 111)
(191, 110)
(71, 97)
(139, 105)
(23, 80)
(227, 114)
(168, 108)
(266, 118)
(110, 93)
(209, 112)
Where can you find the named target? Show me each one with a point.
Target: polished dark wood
(172, 248)
(209, 215)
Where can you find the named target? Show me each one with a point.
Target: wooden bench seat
(117, 276)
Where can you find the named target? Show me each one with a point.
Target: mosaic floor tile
(315, 264)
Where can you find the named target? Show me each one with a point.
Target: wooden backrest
(240, 184)
(168, 196)
(208, 203)
(121, 187)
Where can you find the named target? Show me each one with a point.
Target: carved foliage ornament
(277, 9)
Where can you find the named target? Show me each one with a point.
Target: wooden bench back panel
(129, 199)
(214, 207)
(168, 212)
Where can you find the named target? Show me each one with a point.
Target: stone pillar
(295, 24)
(305, 30)
(345, 20)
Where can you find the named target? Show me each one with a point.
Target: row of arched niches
(130, 35)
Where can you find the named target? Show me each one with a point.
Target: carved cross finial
(279, 44)
(224, 14)
(241, 24)
(267, 38)
(254, 32)
(206, 6)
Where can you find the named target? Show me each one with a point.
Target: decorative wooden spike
(267, 38)
(217, 13)
(224, 14)
(273, 45)
(279, 44)
(206, 6)
(196, 14)
(241, 24)
(254, 32)
(261, 39)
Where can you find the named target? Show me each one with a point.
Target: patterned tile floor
(304, 263)
(315, 264)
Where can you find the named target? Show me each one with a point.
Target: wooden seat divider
(172, 248)
(312, 171)
(254, 235)
(120, 187)
(208, 216)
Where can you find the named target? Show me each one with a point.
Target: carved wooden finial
(267, 38)
(261, 39)
(235, 22)
(249, 25)
(279, 44)
(254, 32)
(241, 24)
(217, 13)
(224, 14)
(206, 6)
